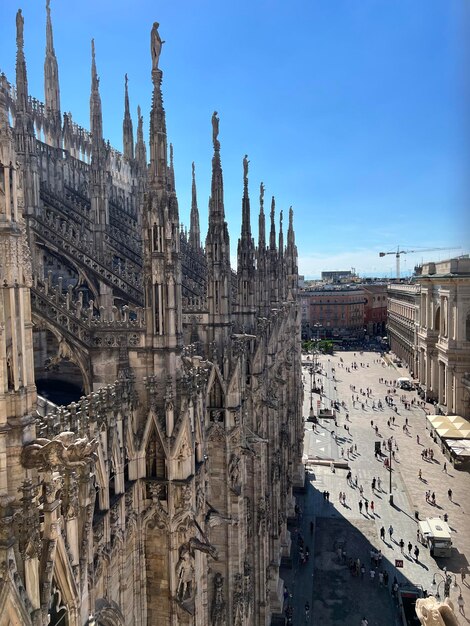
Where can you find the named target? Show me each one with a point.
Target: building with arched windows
(443, 333)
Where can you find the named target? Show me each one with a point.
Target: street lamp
(390, 496)
(311, 415)
(445, 579)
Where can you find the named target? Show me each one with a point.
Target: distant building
(402, 318)
(375, 308)
(336, 276)
(429, 330)
(333, 312)
(443, 334)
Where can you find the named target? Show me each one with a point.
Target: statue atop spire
(261, 197)
(156, 44)
(19, 29)
(215, 130)
(245, 171)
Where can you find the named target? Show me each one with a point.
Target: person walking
(382, 533)
(372, 575)
(402, 545)
(444, 467)
(360, 506)
(366, 504)
(463, 575)
(372, 507)
(410, 547)
(449, 493)
(390, 531)
(416, 553)
(461, 604)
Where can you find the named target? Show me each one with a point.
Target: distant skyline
(354, 112)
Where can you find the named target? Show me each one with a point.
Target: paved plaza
(335, 595)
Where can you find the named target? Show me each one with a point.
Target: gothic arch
(74, 351)
(108, 614)
(153, 450)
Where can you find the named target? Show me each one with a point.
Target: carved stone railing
(72, 244)
(91, 412)
(114, 328)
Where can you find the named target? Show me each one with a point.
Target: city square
(335, 596)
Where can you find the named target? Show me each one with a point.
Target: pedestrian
(385, 578)
(433, 498)
(382, 533)
(444, 468)
(363, 571)
(463, 575)
(381, 578)
(410, 547)
(361, 490)
(373, 484)
(390, 531)
(417, 439)
(360, 506)
(461, 604)
(372, 507)
(402, 545)
(355, 480)
(420, 475)
(344, 498)
(416, 553)
(366, 504)
(449, 493)
(340, 497)
(379, 483)
(372, 575)
(427, 496)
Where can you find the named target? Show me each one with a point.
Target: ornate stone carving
(218, 612)
(238, 601)
(431, 612)
(234, 473)
(29, 524)
(276, 467)
(65, 450)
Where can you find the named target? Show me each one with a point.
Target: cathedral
(160, 493)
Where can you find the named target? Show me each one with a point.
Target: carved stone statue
(234, 472)
(245, 168)
(65, 450)
(19, 29)
(431, 612)
(184, 574)
(261, 194)
(218, 616)
(155, 45)
(215, 130)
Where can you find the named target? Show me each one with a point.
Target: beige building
(443, 334)
(402, 321)
(429, 330)
(162, 494)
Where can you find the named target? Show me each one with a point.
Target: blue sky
(352, 111)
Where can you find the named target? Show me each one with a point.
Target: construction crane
(400, 252)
